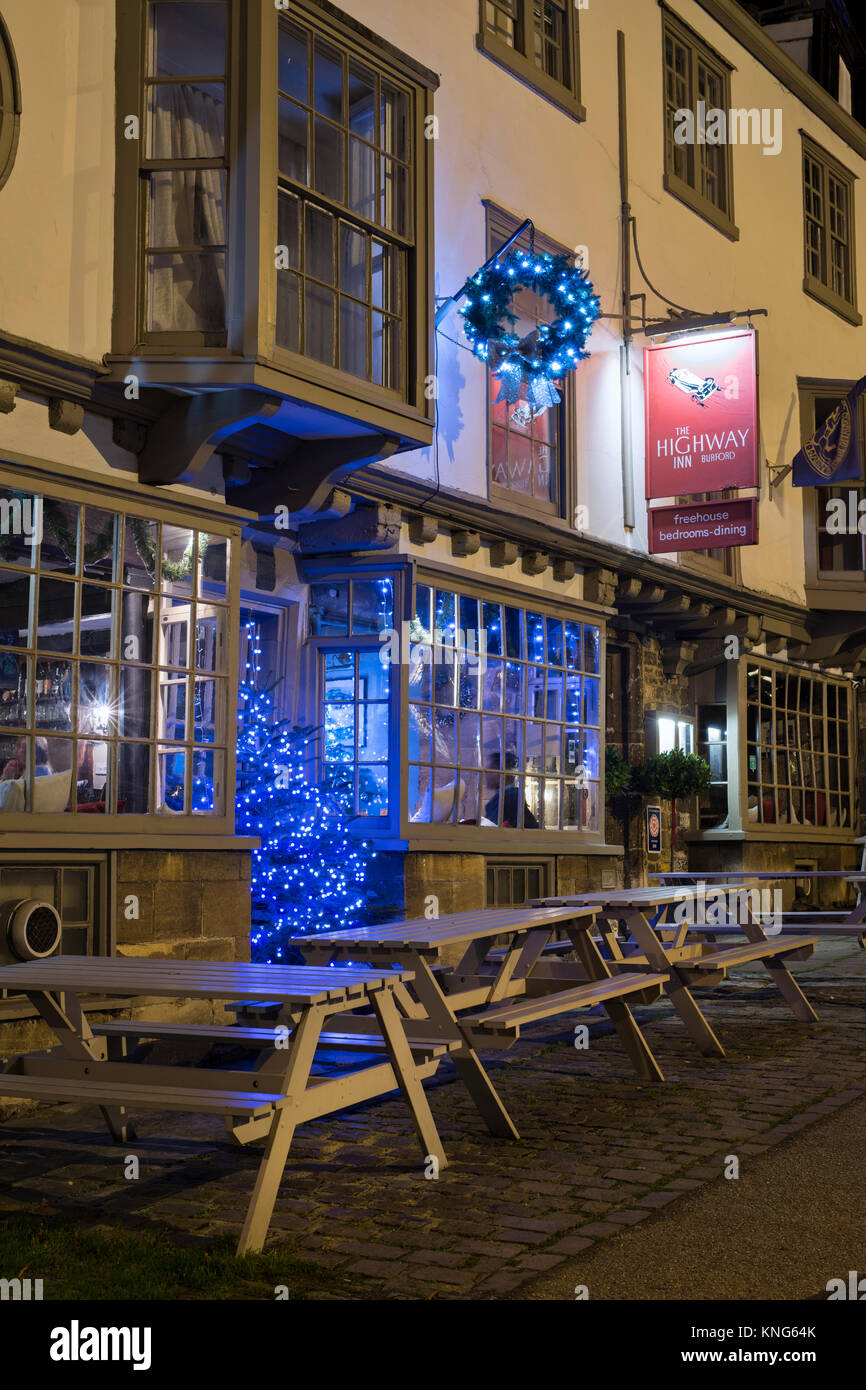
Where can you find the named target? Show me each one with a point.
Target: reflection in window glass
(111, 668)
(504, 741)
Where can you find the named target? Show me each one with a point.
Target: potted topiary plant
(672, 776)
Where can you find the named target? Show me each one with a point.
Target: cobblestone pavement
(599, 1150)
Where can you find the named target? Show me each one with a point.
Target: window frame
(787, 829)
(720, 218)
(567, 97)
(825, 585)
(66, 826)
(501, 839)
(500, 225)
(813, 286)
(10, 103)
(731, 678)
(314, 647)
(249, 356)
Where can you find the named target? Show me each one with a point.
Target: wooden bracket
(183, 439)
(310, 471)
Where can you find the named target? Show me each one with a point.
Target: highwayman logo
(826, 449)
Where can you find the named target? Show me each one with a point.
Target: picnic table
(484, 999)
(664, 946)
(267, 1103)
(822, 924)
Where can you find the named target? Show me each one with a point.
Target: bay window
(473, 712)
(798, 752)
(114, 687)
(296, 240)
(503, 716)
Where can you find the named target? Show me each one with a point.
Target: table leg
(636, 1046)
(400, 1055)
(779, 972)
(301, 1052)
(64, 1015)
(680, 996)
(466, 1060)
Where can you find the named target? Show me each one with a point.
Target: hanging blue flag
(832, 455)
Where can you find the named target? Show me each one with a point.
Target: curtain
(186, 291)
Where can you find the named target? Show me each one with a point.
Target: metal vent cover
(34, 929)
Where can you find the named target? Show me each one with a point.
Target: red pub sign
(701, 415)
(703, 525)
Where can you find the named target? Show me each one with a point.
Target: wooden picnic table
(664, 945)
(823, 924)
(267, 1103)
(485, 998)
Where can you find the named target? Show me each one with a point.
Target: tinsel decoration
(543, 356)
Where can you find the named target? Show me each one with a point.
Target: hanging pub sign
(703, 525)
(701, 416)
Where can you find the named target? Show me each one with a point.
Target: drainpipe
(628, 514)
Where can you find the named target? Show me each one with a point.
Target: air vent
(33, 930)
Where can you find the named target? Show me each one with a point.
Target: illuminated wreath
(550, 350)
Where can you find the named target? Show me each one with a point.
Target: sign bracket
(778, 473)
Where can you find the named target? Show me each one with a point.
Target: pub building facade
(238, 413)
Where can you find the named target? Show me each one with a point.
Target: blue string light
(309, 874)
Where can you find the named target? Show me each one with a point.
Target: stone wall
(175, 905)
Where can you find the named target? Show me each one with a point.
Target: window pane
(133, 778)
(294, 142)
(56, 615)
(328, 96)
(329, 609)
(329, 155)
(20, 519)
(187, 39)
(293, 60)
(186, 120)
(186, 293)
(187, 208)
(14, 606)
(15, 682)
(362, 102)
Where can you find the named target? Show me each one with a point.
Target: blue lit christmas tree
(309, 873)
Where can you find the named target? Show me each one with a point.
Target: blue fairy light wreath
(550, 350)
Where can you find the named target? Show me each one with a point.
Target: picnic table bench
(661, 943)
(487, 997)
(267, 1103)
(820, 924)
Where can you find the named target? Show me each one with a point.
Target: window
(185, 170)
(537, 41)
(798, 754)
(674, 733)
(10, 104)
(526, 451)
(345, 209)
(510, 884)
(113, 663)
(698, 172)
(503, 716)
(828, 211)
(356, 689)
(713, 748)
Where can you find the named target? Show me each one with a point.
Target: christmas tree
(309, 873)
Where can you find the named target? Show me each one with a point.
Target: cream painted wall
(57, 209)
(498, 139)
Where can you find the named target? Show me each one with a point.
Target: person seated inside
(16, 766)
(510, 802)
